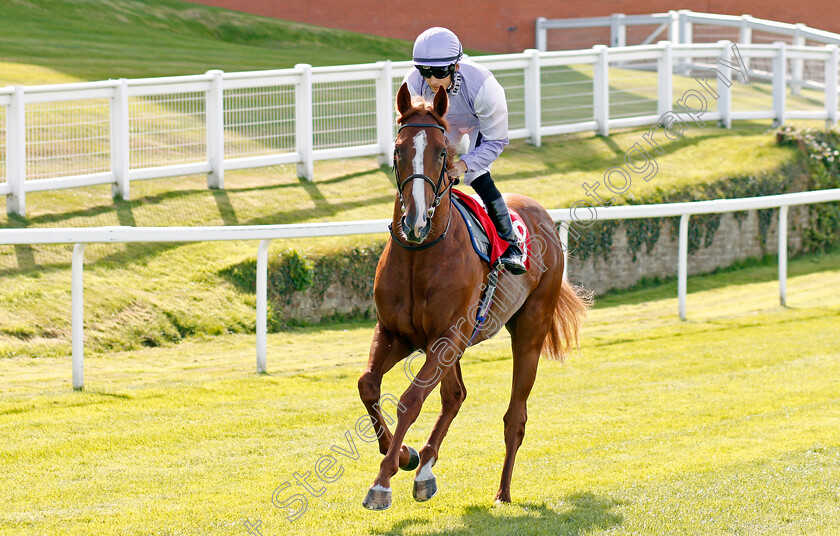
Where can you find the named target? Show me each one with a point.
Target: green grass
(724, 424)
(55, 41)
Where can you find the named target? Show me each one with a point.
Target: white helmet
(437, 47)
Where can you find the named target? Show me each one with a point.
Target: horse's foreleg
(386, 350)
(435, 368)
(452, 396)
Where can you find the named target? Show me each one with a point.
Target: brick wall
(508, 25)
(733, 241)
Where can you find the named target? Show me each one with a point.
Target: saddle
(486, 242)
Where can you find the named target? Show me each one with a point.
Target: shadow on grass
(226, 210)
(579, 514)
(123, 209)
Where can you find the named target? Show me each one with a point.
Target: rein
(436, 189)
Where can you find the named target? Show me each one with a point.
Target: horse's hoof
(425, 489)
(377, 499)
(413, 460)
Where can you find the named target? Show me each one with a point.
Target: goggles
(437, 72)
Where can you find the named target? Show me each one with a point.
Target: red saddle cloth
(497, 244)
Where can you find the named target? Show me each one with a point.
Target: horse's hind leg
(386, 350)
(452, 395)
(528, 328)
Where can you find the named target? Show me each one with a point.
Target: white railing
(686, 27)
(265, 233)
(683, 26)
(118, 131)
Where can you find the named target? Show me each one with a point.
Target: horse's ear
(441, 102)
(403, 99)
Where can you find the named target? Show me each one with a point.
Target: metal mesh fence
(698, 63)
(566, 94)
(634, 89)
(395, 87)
(759, 37)
(577, 38)
(712, 33)
(67, 138)
(259, 121)
(800, 97)
(645, 33)
(813, 71)
(683, 81)
(3, 144)
(513, 81)
(167, 129)
(343, 113)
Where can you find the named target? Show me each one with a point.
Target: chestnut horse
(427, 284)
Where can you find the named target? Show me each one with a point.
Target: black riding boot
(512, 258)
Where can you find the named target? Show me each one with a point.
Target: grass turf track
(724, 424)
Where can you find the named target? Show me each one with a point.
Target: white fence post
(78, 314)
(16, 154)
(601, 90)
(563, 233)
(674, 27)
(685, 39)
(798, 68)
(746, 37)
(666, 79)
(215, 118)
(618, 30)
(119, 141)
(303, 122)
(682, 270)
(385, 114)
(783, 223)
(779, 84)
(262, 305)
(831, 85)
(725, 90)
(541, 33)
(533, 103)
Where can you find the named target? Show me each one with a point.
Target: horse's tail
(568, 315)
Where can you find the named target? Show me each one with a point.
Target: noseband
(435, 188)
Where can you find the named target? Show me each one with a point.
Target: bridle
(436, 188)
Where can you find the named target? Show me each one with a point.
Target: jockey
(477, 109)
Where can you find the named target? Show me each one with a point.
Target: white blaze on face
(418, 187)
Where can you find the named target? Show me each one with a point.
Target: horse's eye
(443, 154)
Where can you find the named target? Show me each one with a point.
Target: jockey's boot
(512, 259)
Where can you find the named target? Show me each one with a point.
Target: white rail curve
(685, 26)
(265, 233)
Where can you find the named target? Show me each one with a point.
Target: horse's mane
(419, 105)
